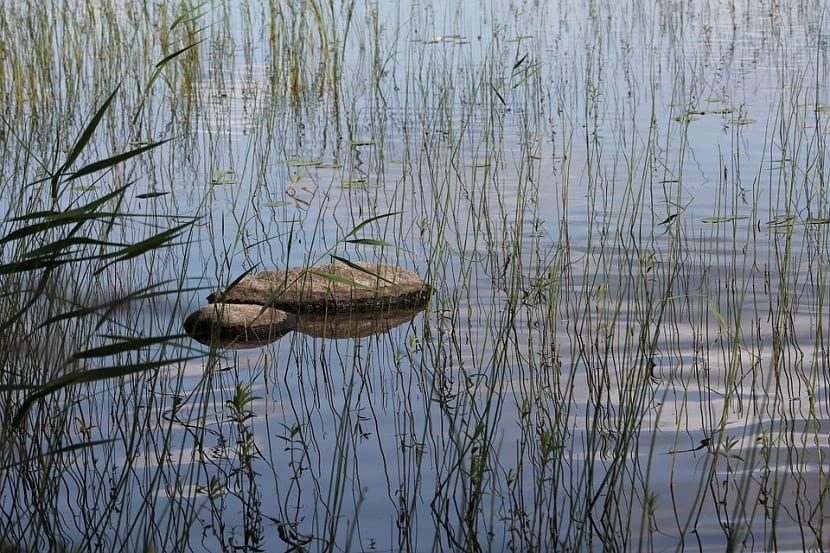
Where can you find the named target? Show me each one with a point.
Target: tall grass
(81, 357)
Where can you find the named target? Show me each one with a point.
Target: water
(621, 208)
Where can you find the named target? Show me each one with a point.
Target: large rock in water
(331, 288)
(239, 326)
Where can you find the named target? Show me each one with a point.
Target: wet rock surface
(331, 288)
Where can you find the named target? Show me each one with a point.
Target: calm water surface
(621, 207)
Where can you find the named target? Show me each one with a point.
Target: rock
(331, 288)
(239, 326)
(354, 325)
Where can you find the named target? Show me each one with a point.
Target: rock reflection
(354, 324)
(238, 326)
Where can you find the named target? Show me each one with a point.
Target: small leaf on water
(149, 195)
(295, 162)
(781, 220)
(359, 183)
(723, 111)
(686, 118)
(277, 204)
(725, 219)
(223, 176)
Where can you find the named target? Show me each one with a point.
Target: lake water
(622, 209)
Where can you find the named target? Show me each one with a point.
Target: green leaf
(357, 267)
(154, 242)
(177, 53)
(114, 160)
(718, 316)
(277, 204)
(85, 137)
(61, 451)
(54, 248)
(82, 141)
(189, 15)
(31, 265)
(370, 221)
(93, 375)
(370, 242)
(41, 221)
(104, 309)
(123, 344)
(239, 278)
(342, 280)
(519, 62)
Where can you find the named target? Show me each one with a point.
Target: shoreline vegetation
(620, 207)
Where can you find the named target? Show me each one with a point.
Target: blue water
(573, 179)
